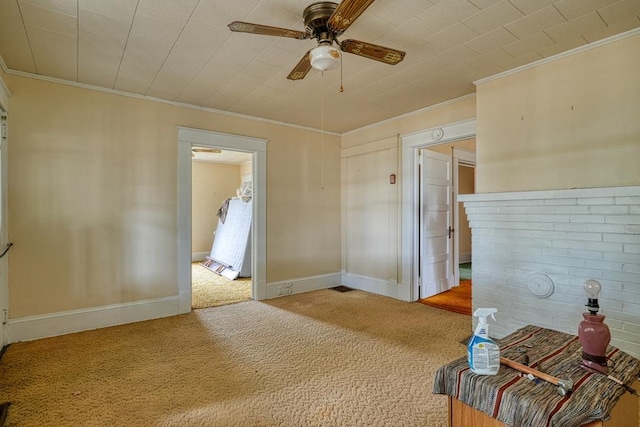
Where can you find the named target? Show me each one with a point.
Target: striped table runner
(518, 401)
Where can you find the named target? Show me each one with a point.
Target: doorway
(257, 148)
(456, 142)
(218, 177)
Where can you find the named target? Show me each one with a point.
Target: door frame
(4, 213)
(409, 214)
(188, 138)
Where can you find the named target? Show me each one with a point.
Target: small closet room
(221, 227)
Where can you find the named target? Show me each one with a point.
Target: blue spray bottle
(483, 353)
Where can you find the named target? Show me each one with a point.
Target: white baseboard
(387, 288)
(66, 322)
(466, 257)
(304, 284)
(199, 256)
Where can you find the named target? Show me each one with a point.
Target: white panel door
(436, 257)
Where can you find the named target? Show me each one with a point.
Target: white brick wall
(569, 235)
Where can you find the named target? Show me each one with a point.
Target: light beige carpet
(322, 358)
(209, 289)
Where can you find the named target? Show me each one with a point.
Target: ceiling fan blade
(266, 30)
(372, 51)
(346, 12)
(301, 69)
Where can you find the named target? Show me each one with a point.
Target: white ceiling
(182, 50)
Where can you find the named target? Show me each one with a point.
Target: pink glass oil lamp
(593, 332)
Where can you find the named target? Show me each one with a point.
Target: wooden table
(511, 399)
(624, 414)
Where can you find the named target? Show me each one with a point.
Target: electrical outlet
(281, 290)
(289, 288)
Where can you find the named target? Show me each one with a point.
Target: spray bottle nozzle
(483, 313)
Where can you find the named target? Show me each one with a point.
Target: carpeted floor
(457, 299)
(209, 289)
(322, 358)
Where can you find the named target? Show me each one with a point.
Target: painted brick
(596, 201)
(609, 210)
(631, 249)
(606, 228)
(623, 219)
(594, 236)
(632, 200)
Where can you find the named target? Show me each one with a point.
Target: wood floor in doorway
(457, 299)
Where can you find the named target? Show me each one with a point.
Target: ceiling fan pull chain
(341, 88)
(322, 131)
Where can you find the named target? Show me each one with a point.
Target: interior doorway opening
(221, 249)
(256, 148)
(457, 143)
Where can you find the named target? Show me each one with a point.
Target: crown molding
(412, 113)
(561, 55)
(163, 101)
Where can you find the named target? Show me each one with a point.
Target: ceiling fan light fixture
(324, 57)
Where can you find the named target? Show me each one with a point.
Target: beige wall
(574, 122)
(466, 185)
(93, 195)
(372, 225)
(211, 185)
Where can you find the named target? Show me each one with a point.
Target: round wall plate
(437, 133)
(540, 285)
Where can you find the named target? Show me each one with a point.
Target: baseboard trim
(465, 257)
(302, 284)
(387, 288)
(66, 322)
(199, 256)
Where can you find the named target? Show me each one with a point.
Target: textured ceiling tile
(67, 7)
(525, 46)
(631, 23)
(577, 27)
(446, 13)
(561, 47)
(396, 12)
(55, 54)
(154, 30)
(216, 13)
(278, 57)
(103, 26)
(204, 33)
(15, 49)
(98, 55)
(520, 60)
(572, 9)
(490, 58)
(174, 11)
(48, 19)
(191, 53)
(529, 6)
(369, 28)
(452, 36)
(411, 33)
(536, 22)
(454, 56)
(491, 40)
(620, 12)
(493, 17)
(483, 4)
(121, 10)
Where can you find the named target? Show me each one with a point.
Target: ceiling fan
(325, 21)
(196, 150)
